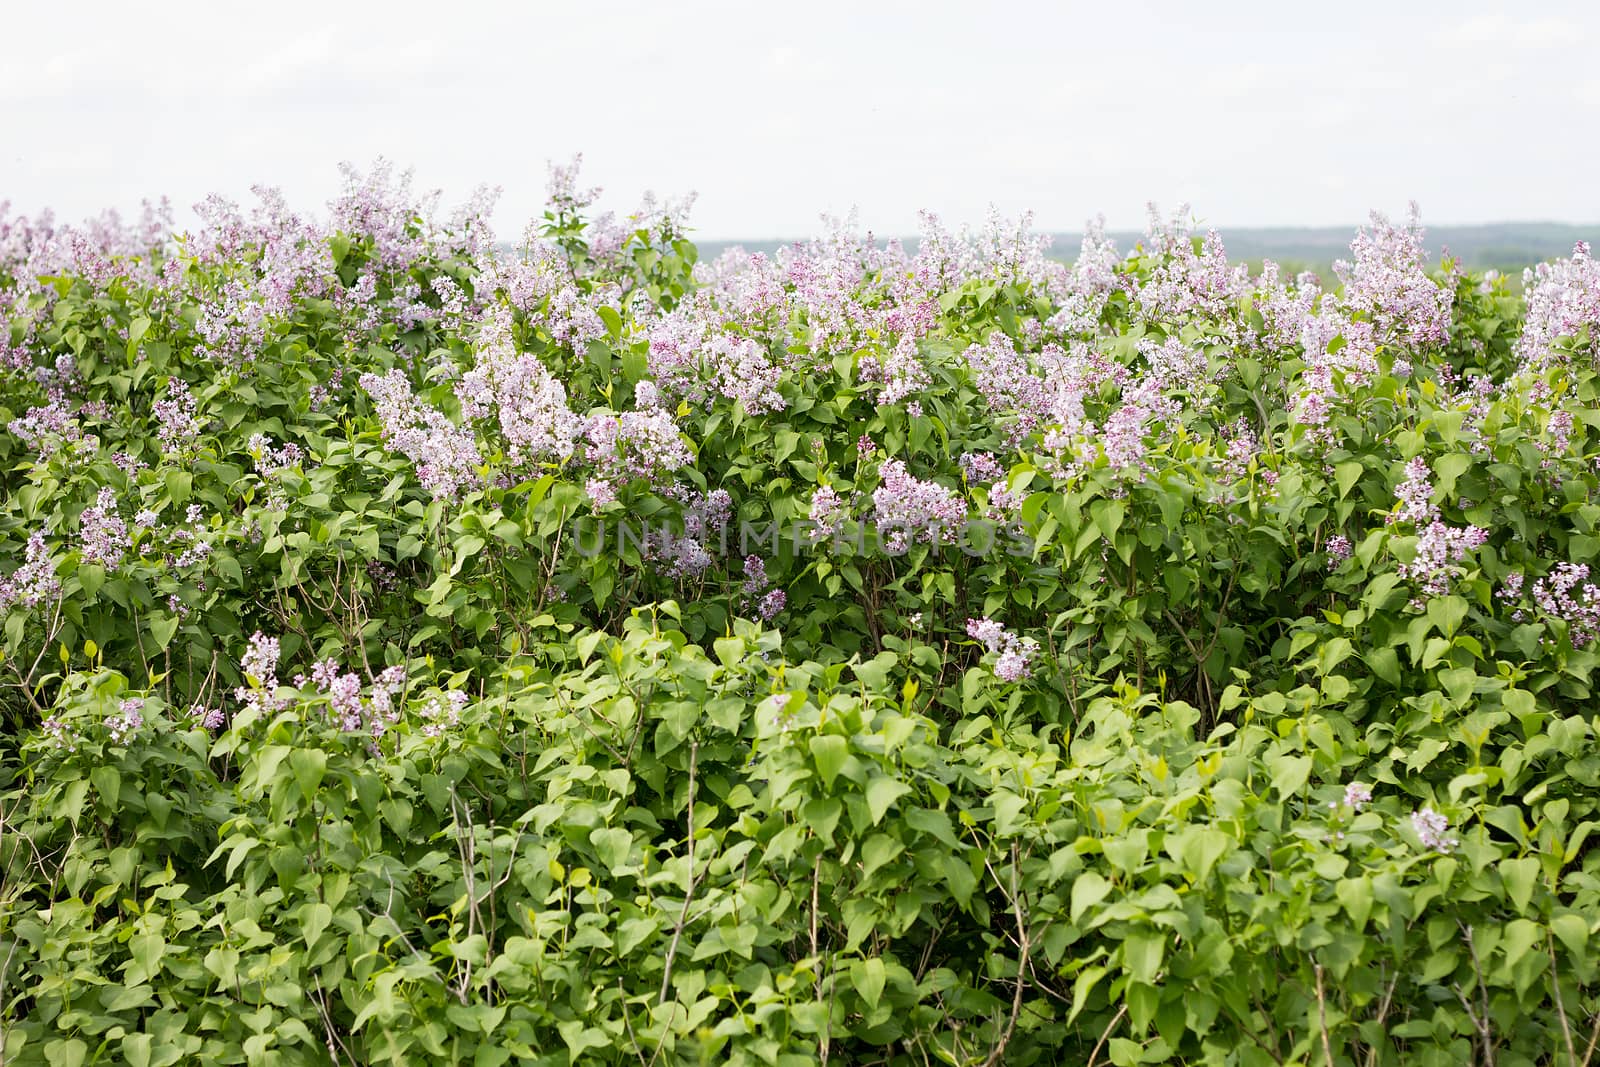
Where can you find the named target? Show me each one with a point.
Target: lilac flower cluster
(909, 509)
(692, 357)
(1566, 593)
(271, 460)
(528, 402)
(1015, 654)
(1243, 446)
(1187, 284)
(1388, 284)
(35, 581)
(758, 592)
(828, 513)
(1563, 302)
(439, 716)
(1094, 277)
(1008, 384)
(188, 541)
(902, 374)
(60, 733)
(260, 669)
(1415, 495)
(542, 286)
(632, 445)
(127, 722)
(103, 535)
(208, 718)
(446, 455)
(980, 468)
(374, 712)
(1441, 548)
(177, 424)
(1433, 830)
(1004, 504)
(48, 428)
(705, 522)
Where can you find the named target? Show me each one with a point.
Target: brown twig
(1025, 945)
(1105, 1034)
(1322, 1013)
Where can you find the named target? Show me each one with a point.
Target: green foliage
(1253, 802)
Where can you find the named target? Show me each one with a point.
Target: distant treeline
(1505, 246)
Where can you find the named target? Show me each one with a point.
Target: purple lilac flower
(755, 572)
(1357, 795)
(1432, 830)
(104, 534)
(1388, 283)
(1439, 549)
(1567, 594)
(446, 455)
(1415, 495)
(1014, 654)
(1339, 549)
(260, 668)
(1005, 503)
(177, 424)
(913, 509)
(127, 721)
(1563, 300)
(60, 733)
(980, 468)
(772, 604)
(828, 513)
(635, 445)
(35, 581)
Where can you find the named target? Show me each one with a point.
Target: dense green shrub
(587, 654)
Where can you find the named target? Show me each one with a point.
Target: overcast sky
(1260, 114)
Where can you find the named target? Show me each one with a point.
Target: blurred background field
(1508, 247)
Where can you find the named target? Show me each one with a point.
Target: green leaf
(1521, 937)
(91, 576)
(612, 845)
(1448, 468)
(162, 628)
(867, 977)
(1142, 954)
(1446, 613)
(1572, 930)
(136, 1049)
(878, 850)
(1385, 663)
(730, 650)
(1198, 849)
(1088, 889)
(314, 918)
(1289, 774)
(1347, 474)
(1082, 986)
(1355, 896)
(309, 766)
(882, 792)
(69, 1053)
(107, 781)
(180, 485)
(830, 752)
(1520, 876)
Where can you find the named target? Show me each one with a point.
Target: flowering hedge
(585, 653)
